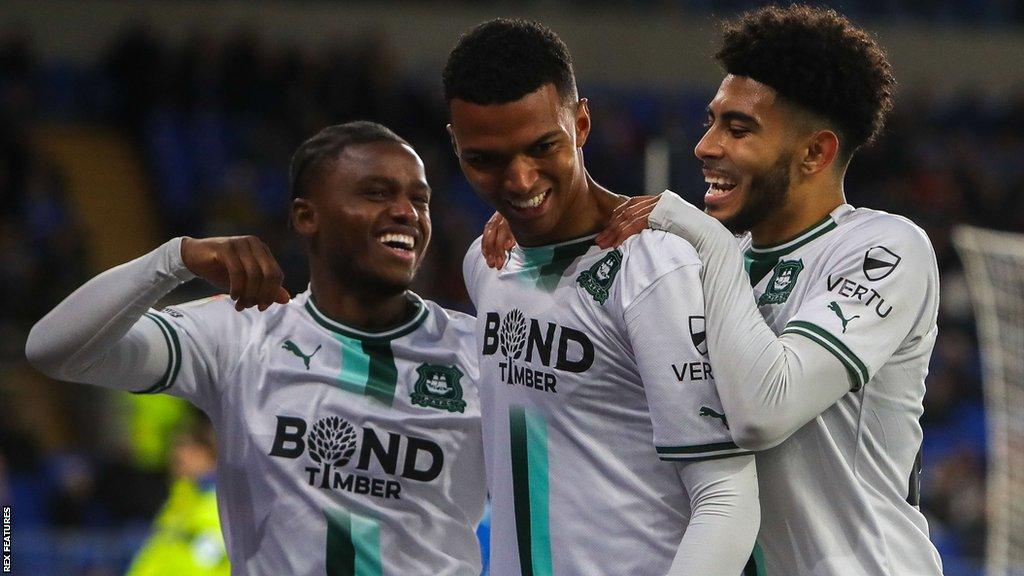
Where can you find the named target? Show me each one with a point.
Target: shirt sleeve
(725, 515)
(666, 327)
(97, 335)
(770, 385)
(205, 340)
(874, 293)
(106, 334)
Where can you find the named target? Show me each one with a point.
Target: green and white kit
(341, 452)
(832, 388)
(595, 400)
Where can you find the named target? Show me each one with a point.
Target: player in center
(607, 449)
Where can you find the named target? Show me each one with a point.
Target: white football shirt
(341, 452)
(838, 497)
(587, 397)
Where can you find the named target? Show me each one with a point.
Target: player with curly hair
(826, 379)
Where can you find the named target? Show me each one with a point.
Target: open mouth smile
(401, 245)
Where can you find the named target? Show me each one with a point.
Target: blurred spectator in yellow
(186, 538)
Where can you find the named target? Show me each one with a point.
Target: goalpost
(994, 266)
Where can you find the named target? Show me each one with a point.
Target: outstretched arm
(100, 334)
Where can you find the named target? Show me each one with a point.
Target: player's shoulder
(214, 319)
(657, 250)
(647, 257)
(446, 329)
(888, 235)
(861, 225)
(473, 254)
(473, 264)
(213, 310)
(444, 320)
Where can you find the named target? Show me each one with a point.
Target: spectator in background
(186, 538)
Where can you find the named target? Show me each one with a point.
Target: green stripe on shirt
(353, 544)
(382, 375)
(529, 451)
(368, 368)
(173, 353)
(543, 266)
(856, 369)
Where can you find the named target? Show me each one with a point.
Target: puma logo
(705, 411)
(294, 349)
(834, 306)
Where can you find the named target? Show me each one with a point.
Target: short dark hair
(818, 60)
(503, 60)
(323, 149)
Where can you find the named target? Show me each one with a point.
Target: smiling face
(524, 159)
(367, 217)
(748, 154)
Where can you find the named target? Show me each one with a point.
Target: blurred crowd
(215, 121)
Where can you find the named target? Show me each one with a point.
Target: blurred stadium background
(123, 124)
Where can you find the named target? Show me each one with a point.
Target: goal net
(994, 267)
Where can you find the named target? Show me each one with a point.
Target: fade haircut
(817, 60)
(318, 153)
(502, 60)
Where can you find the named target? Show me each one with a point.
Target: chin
(394, 283)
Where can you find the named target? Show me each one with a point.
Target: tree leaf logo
(512, 336)
(332, 441)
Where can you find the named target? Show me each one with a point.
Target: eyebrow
(733, 115)
(389, 181)
(543, 137)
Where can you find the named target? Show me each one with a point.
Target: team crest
(439, 387)
(598, 278)
(781, 283)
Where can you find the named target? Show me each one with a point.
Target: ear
(451, 138)
(582, 122)
(304, 217)
(820, 153)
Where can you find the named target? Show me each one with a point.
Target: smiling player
(831, 388)
(605, 446)
(347, 416)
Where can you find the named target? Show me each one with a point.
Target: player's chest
(300, 383)
(424, 380)
(781, 284)
(541, 346)
(350, 424)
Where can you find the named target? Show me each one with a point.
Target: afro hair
(818, 60)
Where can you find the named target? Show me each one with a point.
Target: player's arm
(103, 332)
(690, 427)
(772, 385)
(725, 515)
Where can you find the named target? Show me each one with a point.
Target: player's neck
(361, 307)
(804, 207)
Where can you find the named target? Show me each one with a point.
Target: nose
(520, 175)
(402, 209)
(708, 147)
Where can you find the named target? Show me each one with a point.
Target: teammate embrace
(829, 390)
(624, 376)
